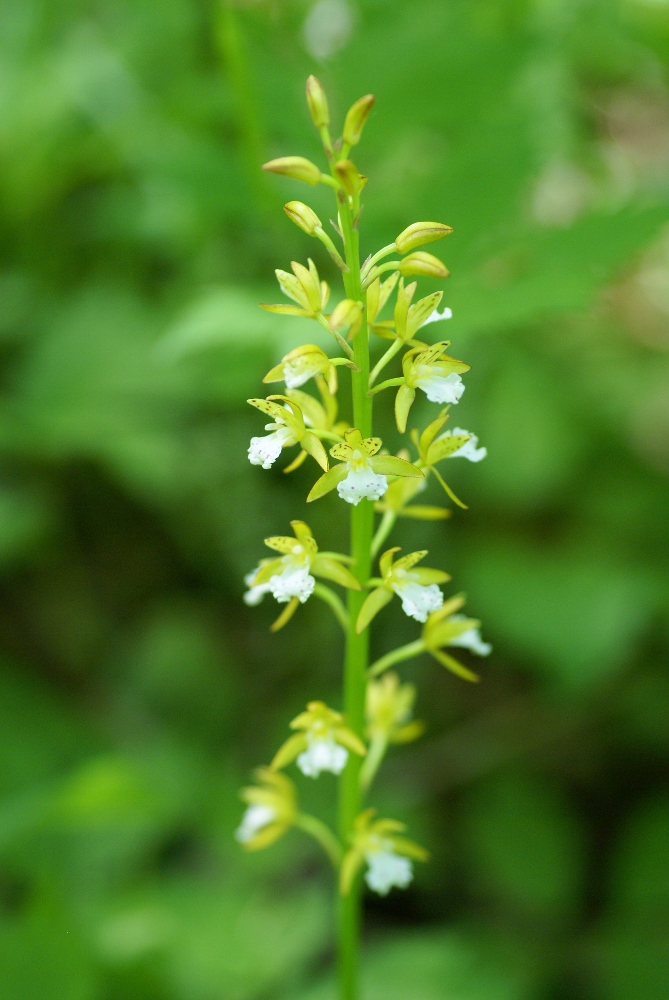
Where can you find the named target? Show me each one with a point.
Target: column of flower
(376, 713)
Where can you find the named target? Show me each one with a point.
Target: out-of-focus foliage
(136, 689)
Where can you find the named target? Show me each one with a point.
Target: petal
(386, 560)
(281, 543)
(371, 607)
(425, 576)
(282, 309)
(327, 482)
(445, 446)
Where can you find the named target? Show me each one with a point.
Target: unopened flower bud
(355, 119)
(303, 216)
(297, 167)
(421, 263)
(351, 179)
(419, 233)
(346, 314)
(318, 102)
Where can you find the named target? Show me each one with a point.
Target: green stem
(334, 602)
(357, 646)
(323, 834)
(397, 655)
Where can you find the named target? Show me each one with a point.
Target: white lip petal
(322, 755)
(469, 449)
(254, 594)
(293, 581)
(440, 388)
(387, 869)
(419, 601)
(471, 639)
(435, 316)
(266, 449)
(254, 819)
(295, 374)
(361, 483)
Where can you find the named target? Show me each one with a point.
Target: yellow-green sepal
(403, 403)
(328, 481)
(286, 614)
(454, 666)
(332, 570)
(389, 465)
(287, 753)
(372, 604)
(314, 446)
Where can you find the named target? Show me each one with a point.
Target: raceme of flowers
(379, 302)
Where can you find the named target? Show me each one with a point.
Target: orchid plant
(376, 710)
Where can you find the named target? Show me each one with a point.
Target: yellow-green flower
(290, 577)
(388, 709)
(434, 447)
(362, 472)
(322, 743)
(445, 627)
(272, 810)
(305, 288)
(388, 855)
(417, 588)
(287, 428)
(303, 363)
(433, 371)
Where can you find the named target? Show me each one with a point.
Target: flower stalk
(375, 714)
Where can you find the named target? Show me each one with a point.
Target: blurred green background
(136, 689)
